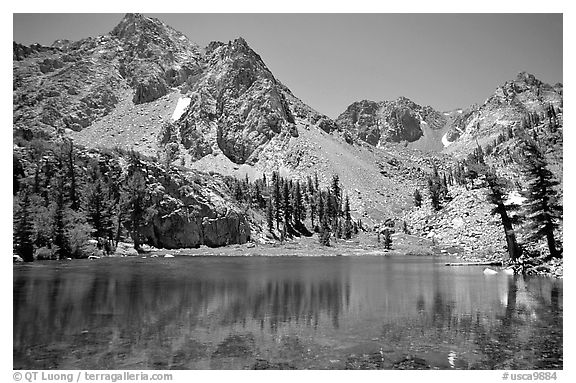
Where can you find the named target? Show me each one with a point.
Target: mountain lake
(388, 312)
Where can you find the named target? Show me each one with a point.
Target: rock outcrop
(383, 122)
(72, 84)
(191, 210)
(505, 108)
(237, 107)
(182, 209)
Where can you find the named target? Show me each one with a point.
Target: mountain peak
(527, 78)
(133, 23)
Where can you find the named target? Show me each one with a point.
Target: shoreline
(364, 244)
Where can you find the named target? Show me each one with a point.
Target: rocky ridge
(148, 88)
(230, 115)
(510, 103)
(236, 109)
(71, 85)
(401, 120)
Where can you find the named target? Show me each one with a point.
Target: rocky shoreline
(365, 244)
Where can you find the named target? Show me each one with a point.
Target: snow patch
(515, 198)
(445, 141)
(181, 106)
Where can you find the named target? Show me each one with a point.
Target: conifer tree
(277, 199)
(543, 207)
(336, 191)
(298, 204)
(313, 209)
(98, 207)
(286, 203)
(24, 228)
(269, 215)
(320, 204)
(347, 219)
(496, 196)
(417, 198)
(60, 240)
(435, 188)
(324, 235)
(68, 147)
(135, 204)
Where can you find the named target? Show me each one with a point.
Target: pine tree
(286, 203)
(496, 196)
(434, 187)
(313, 209)
(347, 219)
(339, 229)
(387, 238)
(336, 192)
(269, 215)
(321, 208)
(60, 240)
(417, 198)
(98, 207)
(134, 204)
(238, 193)
(277, 199)
(24, 228)
(543, 208)
(405, 229)
(298, 204)
(324, 236)
(69, 150)
(310, 185)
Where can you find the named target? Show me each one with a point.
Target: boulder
(125, 249)
(208, 226)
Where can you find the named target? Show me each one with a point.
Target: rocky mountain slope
(510, 103)
(184, 209)
(146, 87)
(401, 120)
(455, 132)
(72, 84)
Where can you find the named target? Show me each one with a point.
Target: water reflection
(304, 313)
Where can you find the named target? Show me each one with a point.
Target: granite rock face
(72, 84)
(388, 121)
(191, 209)
(237, 107)
(505, 108)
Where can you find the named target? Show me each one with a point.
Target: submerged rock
(489, 271)
(411, 363)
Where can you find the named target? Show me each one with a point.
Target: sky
(447, 61)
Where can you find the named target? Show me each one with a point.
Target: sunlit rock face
(388, 121)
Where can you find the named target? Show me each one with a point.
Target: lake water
(289, 312)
